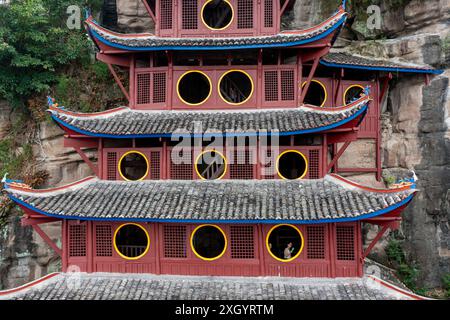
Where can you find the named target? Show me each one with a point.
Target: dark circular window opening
(194, 87)
(208, 242)
(210, 165)
(316, 95)
(235, 87)
(353, 93)
(285, 242)
(131, 241)
(292, 164)
(133, 166)
(217, 14)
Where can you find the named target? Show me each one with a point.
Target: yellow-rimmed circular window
(210, 165)
(235, 87)
(194, 87)
(133, 166)
(291, 164)
(217, 14)
(284, 242)
(131, 241)
(353, 93)
(317, 93)
(208, 242)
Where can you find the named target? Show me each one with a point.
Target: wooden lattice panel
(143, 88)
(242, 242)
(345, 243)
(111, 165)
(244, 14)
(314, 163)
(242, 166)
(268, 13)
(166, 16)
(155, 165)
(287, 85)
(103, 241)
(174, 241)
(189, 14)
(271, 86)
(315, 242)
(77, 240)
(159, 87)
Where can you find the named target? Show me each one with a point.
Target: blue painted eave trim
(227, 134)
(268, 221)
(94, 34)
(386, 69)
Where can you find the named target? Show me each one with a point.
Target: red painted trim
(81, 114)
(370, 188)
(338, 13)
(92, 23)
(29, 284)
(397, 289)
(11, 186)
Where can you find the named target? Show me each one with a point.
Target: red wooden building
(222, 162)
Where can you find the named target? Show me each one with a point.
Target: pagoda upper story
(216, 18)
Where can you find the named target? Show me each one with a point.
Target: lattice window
(315, 244)
(345, 242)
(287, 85)
(159, 87)
(268, 13)
(111, 165)
(314, 162)
(143, 88)
(242, 166)
(181, 171)
(189, 13)
(242, 242)
(77, 240)
(245, 14)
(268, 173)
(174, 241)
(155, 165)
(270, 85)
(103, 241)
(166, 9)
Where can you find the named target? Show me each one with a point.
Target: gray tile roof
(300, 201)
(104, 286)
(127, 122)
(345, 59)
(152, 42)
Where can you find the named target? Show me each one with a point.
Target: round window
(194, 87)
(235, 87)
(208, 242)
(291, 164)
(217, 14)
(210, 165)
(131, 241)
(316, 95)
(133, 166)
(284, 242)
(353, 93)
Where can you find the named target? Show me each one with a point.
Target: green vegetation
(446, 282)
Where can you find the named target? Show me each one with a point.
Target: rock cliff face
(415, 122)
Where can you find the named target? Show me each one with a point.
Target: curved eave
(352, 121)
(400, 205)
(91, 27)
(383, 69)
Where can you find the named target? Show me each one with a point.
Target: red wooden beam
(149, 10)
(375, 240)
(337, 156)
(30, 221)
(119, 83)
(122, 61)
(283, 8)
(86, 159)
(385, 86)
(47, 239)
(80, 142)
(308, 80)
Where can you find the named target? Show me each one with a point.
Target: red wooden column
(64, 245)
(132, 85)
(90, 246)
(158, 246)
(261, 241)
(332, 248)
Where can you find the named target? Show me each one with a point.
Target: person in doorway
(288, 251)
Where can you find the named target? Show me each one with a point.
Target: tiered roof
(331, 199)
(150, 42)
(127, 123)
